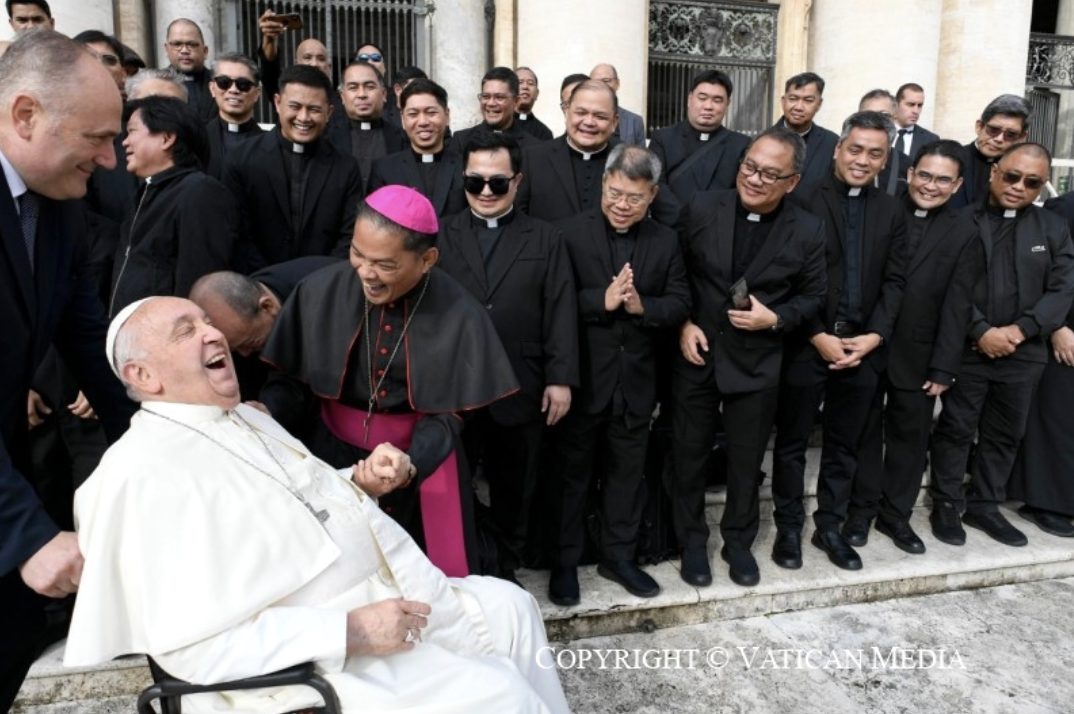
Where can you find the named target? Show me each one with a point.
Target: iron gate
(688, 36)
(400, 28)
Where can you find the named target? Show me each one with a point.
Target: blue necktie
(28, 207)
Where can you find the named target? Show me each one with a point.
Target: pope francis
(220, 546)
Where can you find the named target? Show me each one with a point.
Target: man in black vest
(518, 268)
(236, 87)
(756, 268)
(632, 292)
(803, 95)
(699, 153)
(1023, 295)
(427, 164)
(836, 356)
(944, 260)
(297, 194)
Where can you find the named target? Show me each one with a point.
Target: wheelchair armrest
(304, 674)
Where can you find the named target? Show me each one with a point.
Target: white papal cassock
(200, 554)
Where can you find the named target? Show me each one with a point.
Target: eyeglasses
(1008, 134)
(499, 185)
(1013, 178)
(370, 57)
(747, 168)
(241, 83)
(485, 97)
(926, 178)
(633, 199)
(179, 45)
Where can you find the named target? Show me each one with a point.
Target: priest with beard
(390, 349)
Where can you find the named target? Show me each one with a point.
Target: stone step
(888, 573)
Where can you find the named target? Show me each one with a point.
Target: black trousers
(990, 399)
(510, 456)
(848, 396)
(621, 443)
(696, 417)
(894, 450)
(23, 622)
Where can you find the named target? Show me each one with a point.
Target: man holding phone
(756, 268)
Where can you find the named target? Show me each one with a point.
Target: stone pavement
(1015, 648)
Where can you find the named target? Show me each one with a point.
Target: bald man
(185, 47)
(631, 127)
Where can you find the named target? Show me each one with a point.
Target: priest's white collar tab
(586, 155)
(854, 191)
(493, 222)
(428, 158)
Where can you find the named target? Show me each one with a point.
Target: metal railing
(688, 36)
(400, 28)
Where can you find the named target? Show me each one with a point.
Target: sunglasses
(241, 83)
(370, 57)
(499, 185)
(1008, 134)
(1013, 178)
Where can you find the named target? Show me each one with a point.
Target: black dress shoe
(856, 531)
(946, 524)
(563, 586)
(838, 550)
(743, 567)
(902, 535)
(695, 567)
(996, 526)
(630, 576)
(787, 550)
(1048, 522)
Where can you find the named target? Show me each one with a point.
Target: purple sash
(441, 502)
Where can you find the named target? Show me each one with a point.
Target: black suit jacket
(516, 132)
(820, 147)
(535, 127)
(930, 330)
(787, 275)
(715, 169)
(55, 304)
(528, 291)
(339, 133)
(919, 137)
(1044, 265)
(620, 348)
(883, 262)
(217, 154)
(1064, 206)
(198, 95)
(448, 196)
(270, 234)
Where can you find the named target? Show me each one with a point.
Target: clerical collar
(366, 124)
(846, 189)
(293, 147)
(753, 217)
(186, 413)
(1001, 212)
(233, 128)
(496, 221)
(428, 158)
(802, 134)
(620, 232)
(705, 135)
(523, 116)
(586, 155)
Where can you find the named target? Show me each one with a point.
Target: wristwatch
(779, 324)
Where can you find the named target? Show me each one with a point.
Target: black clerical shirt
(428, 167)
(588, 168)
(296, 166)
(751, 232)
(1002, 308)
(367, 143)
(917, 222)
(489, 231)
(850, 299)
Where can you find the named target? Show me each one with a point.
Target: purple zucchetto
(406, 206)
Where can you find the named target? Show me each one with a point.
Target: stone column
(133, 29)
(458, 56)
(858, 46)
(792, 46)
(74, 16)
(561, 38)
(1064, 134)
(983, 49)
(506, 30)
(203, 12)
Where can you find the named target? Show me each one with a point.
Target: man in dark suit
(46, 300)
(563, 176)
(756, 268)
(1003, 124)
(365, 135)
(499, 102)
(632, 291)
(910, 136)
(298, 195)
(236, 87)
(699, 153)
(803, 95)
(944, 260)
(528, 91)
(894, 171)
(836, 356)
(518, 268)
(426, 165)
(1024, 294)
(630, 129)
(185, 48)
